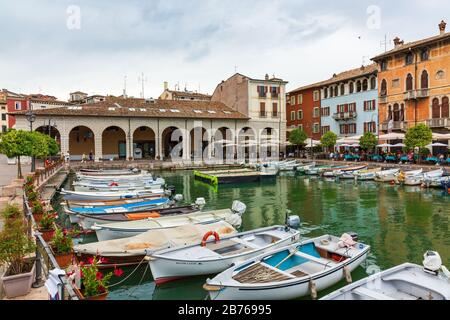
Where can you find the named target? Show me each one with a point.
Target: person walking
(91, 156)
(83, 158)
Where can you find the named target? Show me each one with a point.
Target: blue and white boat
(119, 186)
(124, 208)
(290, 272)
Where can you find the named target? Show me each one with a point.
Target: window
(300, 126)
(444, 108)
(342, 108)
(325, 93)
(292, 115)
(424, 80)
(316, 128)
(351, 107)
(292, 100)
(316, 112)
(352, 128)
(274, 91)
(424, 54)
(342, 89)
(262, 109)
(262, 91)
(369, 105)
(325, 129)
(300, 98)
(358, 86)
(435, 109)
(316, 95)
(384, 65)
(331, 92)
(300, 114)
(351, 87)
(336, 91)
(440, 75)
(373, 83)
(383, 91)
(3, 116)
(343, 129)
(370, 127)
(18, 105)
(365, 85)
(274, 110)
(396, 83)
(409, 82)
(325, 111)
(409, 58)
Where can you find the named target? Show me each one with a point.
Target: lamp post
(31, 117)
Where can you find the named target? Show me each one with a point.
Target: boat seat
(372, 294)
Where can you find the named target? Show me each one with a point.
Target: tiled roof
(351, 74)
(187, 93)
(310, 86)
(147, 109)
(413, 44)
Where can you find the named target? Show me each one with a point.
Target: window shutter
(374, 104)
(365, 105)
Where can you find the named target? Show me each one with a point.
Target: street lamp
(31, 117)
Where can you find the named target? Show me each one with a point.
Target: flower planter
(97, 297)
(37, 217)
(19, 284)
(64, 260)
(47, 235)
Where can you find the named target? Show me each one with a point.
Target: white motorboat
(404, 282)
(110, 195)
(115, 186)
(387, 175)
(366, 175)
(131, 228)
(436, 182)
(110, 172)
(147, 177)
(349, 173)
(290, 272)
(303, 168)
(288, 166)
(216, 255)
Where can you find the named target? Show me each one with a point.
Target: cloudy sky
(56, 47)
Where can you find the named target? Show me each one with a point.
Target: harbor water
(400, 223)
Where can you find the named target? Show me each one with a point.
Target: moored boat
(290, 272)
(115, 186)
(349, 173)
(214, 256)
(388, 175)
(366, 175)
(109, 195)
(404, 282)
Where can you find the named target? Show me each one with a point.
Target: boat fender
(178, 197)
(313, 289)
(347, 274)
(200, 202)
(209, 234)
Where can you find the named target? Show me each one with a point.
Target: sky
(57, 47)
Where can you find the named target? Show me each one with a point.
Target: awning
(392, 136)
(441, 136)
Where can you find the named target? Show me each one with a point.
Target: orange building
(414, 84)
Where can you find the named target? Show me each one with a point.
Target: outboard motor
(171, 191)
(293, 222)
(200, 203)
(432, 262)
(238, 207)
(178, 197)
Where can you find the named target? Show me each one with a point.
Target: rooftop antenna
(235, 69)
(124, 86)
(185, 87)
(142, 79)
(385, 43)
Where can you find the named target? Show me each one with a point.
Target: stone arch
(199, 142)
(114, 144)
(52, 131)
(81, 141)
(268, 142)
(247, 143)
(224, 143)
(445, 108)
(144, 143)
(172, 142)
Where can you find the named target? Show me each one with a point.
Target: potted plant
(47, 225)
(37, 208)
(62, 245)
(92, 284)
(12, 212)
(15, 245)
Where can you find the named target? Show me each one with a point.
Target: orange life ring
(113, 184)
(209, 234)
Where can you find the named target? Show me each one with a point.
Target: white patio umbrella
(437, 144)
(399, 145)
(384, 145)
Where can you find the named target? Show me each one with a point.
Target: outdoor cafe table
(377, 157)
(390, 158)
(432, 159)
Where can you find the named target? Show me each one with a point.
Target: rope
(127, 277)
(142, 278)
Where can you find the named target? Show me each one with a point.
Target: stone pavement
(9, 171)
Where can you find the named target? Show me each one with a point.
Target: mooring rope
(127, 277)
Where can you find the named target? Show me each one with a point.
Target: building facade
(3, 111)
(263, 101)
(303, 110)
(15, 102)
(182, 95)
(349, 102)
(414, 83)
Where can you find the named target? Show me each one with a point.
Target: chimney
(166, 85)
(267, 76)
(397, 42)
(442, 26)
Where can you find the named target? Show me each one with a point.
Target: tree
(418, 136)
(17, 143)
(368, 141)
(53, 147)
(298, 137)
(328, 140)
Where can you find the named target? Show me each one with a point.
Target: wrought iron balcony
(344, 115)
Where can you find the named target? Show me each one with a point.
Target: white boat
(348, 173)
(269, 169)
(131, 228)
(366, 175)
(290, 272)
(329, 173)
(288, 166)
(132, 250)
(216, 255)
(386, 175)
(303, 168)
(436, 182)
(404, 282)
(110, 195)
(107, 172)
(114, 186)
(120, 179)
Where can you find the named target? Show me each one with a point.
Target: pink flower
(99, 275)
(91, 260)
(103, 260)
(118, 272)
(81, 263)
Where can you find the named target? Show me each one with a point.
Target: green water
(399, 223)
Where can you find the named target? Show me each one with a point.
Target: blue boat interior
(294, 260)
(129, 207)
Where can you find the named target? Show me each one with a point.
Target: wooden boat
(288, 165)
(131, 228)
(303, 168)
(386, 175)
(410, 178)
(86, 186)
(316, 170)
(100, 203)
(290, 272)
(366, 175)
(119, 179)
(407, 281)
(129, 207)
(436, 182)
(86, 221)
(349, 173)
(132, 250)
(214, 256)
(110, 195)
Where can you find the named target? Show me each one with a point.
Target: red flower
(101, 289)
(99, 275)
(81, 274)
(118, 272)
(81, 263)
(103, 260)
(91, 260)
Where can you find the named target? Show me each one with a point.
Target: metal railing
(397, 125)
(345, 115)
(45, 260)
(438, 122)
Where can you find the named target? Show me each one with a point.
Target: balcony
(274, 95)
(438, 123)
(417, 94)
(423, 93)
(263, 114)
(410, 95)
(275, 114)
(345, 115)
(397, 125)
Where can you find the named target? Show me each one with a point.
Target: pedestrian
(83, 158)
(91, 156)
(67, 157)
